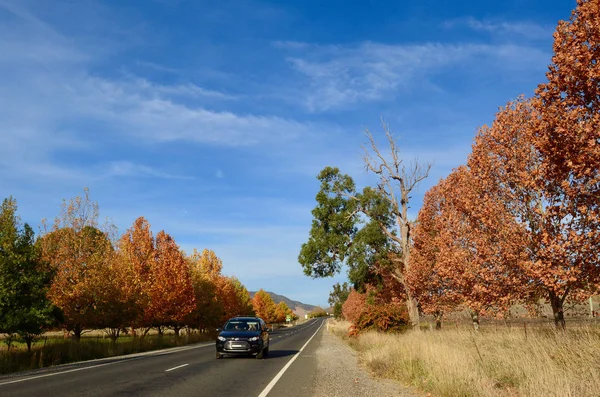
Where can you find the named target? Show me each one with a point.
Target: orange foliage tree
(116, 298)
(281, 312)
(263, 306)
(373, 310)
(137, 252)
(476, 249)
(354, 306)
(165, 294)
(567, 138)
(76, 250)
(208, 312)
(558, 224)
(232, 296)
(427, 281)
(171, 292)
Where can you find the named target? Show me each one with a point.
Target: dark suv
(243, 336)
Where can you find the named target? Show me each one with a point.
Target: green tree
(369, 231)
(339, 235)
(24, 280)
(338, 296)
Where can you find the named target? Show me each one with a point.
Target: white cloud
(524, 29)
(340, 76)
(158, 67)
(50, 101)
(127, 168)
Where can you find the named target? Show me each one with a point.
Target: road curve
(187, 371)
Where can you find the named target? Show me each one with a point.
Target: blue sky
(212, 119)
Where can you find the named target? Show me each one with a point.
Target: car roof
(244, 318)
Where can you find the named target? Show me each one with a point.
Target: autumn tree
(281, 312)
(116, 299)
(165, 294)
(24, 279)
(136, 252)
(354, 306)
(263, 306)
(567, 138)
(76, 249)
(232, 296)
(507, 158)
(473, 250)
(171, 292)
(208, 312)
(427, 281)
(243, 301)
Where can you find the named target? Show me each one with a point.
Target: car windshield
(242, 325)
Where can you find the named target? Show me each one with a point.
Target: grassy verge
(493, 362)
(54, 351)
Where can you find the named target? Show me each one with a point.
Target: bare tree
(396, 182)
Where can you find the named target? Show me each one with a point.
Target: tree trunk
(77, 330)
(146, 330)
(438, 319)
(113, 334)
(413, 310)
(29, 338)
(557, 309)
(475, 319)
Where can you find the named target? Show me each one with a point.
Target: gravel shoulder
(339, 372)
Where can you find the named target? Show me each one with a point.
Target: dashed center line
(174, 368)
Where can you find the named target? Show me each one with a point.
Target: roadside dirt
(340, 374)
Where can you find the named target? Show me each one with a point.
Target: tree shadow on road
(272, 354)
(281, 353)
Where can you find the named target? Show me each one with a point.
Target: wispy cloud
(52, 101)
(130, 169)
(524, 29)
(158, 67)
(340, 76)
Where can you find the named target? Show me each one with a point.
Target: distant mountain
(299, 308)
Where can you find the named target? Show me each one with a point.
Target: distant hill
(299, 308)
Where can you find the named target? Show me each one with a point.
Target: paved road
(187, 371)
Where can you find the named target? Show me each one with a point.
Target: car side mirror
(219, 330)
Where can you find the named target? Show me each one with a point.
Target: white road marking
(126, 359)
(174, 368)
(280, 374)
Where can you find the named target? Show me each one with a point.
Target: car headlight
(253, 339)
(221, 338)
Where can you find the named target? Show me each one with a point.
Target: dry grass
(494, 362)
(55, 351)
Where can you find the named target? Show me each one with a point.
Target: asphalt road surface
(187, 371)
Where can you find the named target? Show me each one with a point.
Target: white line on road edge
(124, 360)
(66, 372)
(280, 374)
(174, 368)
